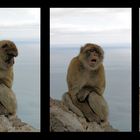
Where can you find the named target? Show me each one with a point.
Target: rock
(63, 120)
(14, 124)
(5, 125)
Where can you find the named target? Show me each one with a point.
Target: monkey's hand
(82, 95)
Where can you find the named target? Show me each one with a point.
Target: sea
(117, 63)
(26, 84)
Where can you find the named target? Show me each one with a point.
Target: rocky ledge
(63, 120)
(14, 124)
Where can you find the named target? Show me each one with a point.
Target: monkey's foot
(90, 117)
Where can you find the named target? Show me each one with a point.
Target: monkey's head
(91, 56)
(8, 51)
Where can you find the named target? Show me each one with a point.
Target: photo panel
(90, 91)
(20, 69)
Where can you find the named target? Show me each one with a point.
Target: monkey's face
(91, 56)
(8, 51)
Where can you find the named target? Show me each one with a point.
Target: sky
(94, 25)
(19, 23)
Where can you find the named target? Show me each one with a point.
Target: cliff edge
(63, 120)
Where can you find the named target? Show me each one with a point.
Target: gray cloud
(20, 23)
(19, 16)
(106, 24)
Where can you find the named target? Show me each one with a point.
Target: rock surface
(63, 120)
(14, 124)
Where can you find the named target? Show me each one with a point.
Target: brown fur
(8, 102)
(86, 83)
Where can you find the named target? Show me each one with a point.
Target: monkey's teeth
(93, 60)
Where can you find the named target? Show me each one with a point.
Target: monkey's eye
(93, 50)
(5, 46)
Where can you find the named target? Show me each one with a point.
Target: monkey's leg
(8, 99)
(86, 110)
(98, 105)
(68, 102)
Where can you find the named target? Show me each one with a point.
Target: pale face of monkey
(91, 56)
(8, 51)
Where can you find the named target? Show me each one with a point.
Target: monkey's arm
(8, 80)
(8, 99)
(74, 79)
(8, 77)
(100, 83)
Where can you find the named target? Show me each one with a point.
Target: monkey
(86, 84)
(8, 102)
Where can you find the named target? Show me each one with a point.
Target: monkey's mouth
(93, 60)
(10, 58)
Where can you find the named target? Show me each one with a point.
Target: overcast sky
(97, 25)
(19, 23)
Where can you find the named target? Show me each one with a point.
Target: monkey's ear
(81, 50)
